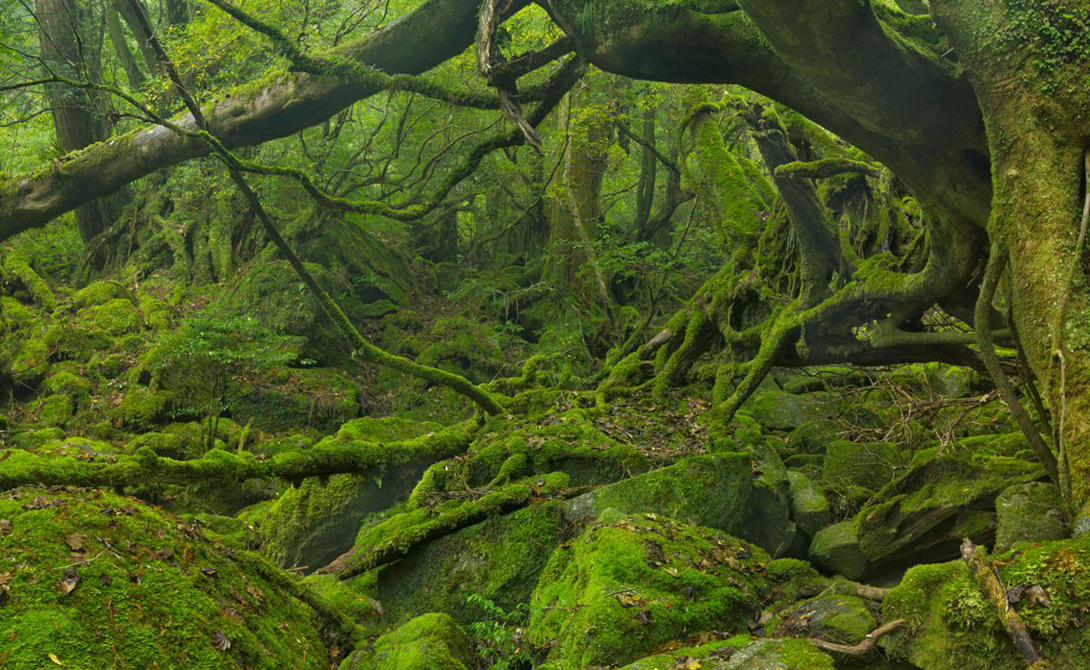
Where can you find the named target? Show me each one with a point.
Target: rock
(923, 515)
(430, 641)
(767, 520)
(842, 619)
(777, 410)
(949, 625)
(632, 583)
(836, 549)
(100, 580)
(951, 381)
(321, 398)
(741, 653)
(870, 465)
(809, 507)
(314, 523)
(710, 491)
(499, 559)
(1031, 512)
(814, 437)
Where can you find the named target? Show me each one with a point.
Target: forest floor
(188, 484)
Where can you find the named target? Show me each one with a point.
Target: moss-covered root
(988, 581)
(781, 333)
(145, 467)
(398, 536)
(16, 265)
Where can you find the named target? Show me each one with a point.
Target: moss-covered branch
(826, 167)
(395, 538)
(145, 467)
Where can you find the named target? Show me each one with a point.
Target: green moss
(151, 591)
(100, 293)
(321, 398)
(499, 559)
(630, 584)
(56, 409)
(142, 408)
(17, 265)
(115, 318)
(950, 625)
(741, 651)
(428, 641)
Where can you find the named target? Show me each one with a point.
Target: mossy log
(145, 467)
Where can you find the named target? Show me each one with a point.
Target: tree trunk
(77, 121)
(1034, 89)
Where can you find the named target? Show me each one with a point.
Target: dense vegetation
(562, 335)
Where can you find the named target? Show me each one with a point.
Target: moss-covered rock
(950, 626)
(923, 515)
(99, 293)
(767, 520)
(92, 580)
(317, 521)
(777, 410)
(433, 641)
(836, 549)
(499, 559)
(843, 619)
(809, 507)
(740, 653)
(1031, 512)
(632, 583)
(115, 318)
(709, 491)
(56, 410)
(142, 408)
(870, 465)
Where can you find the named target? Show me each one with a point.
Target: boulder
(741, 652)
(430, 641)
(842, 619)
(632, 583)
(809, 507)
(836, 549)
(777, 410)
(1030, 512)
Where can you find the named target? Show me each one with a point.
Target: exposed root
(863, 647)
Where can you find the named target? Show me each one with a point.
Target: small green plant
(499, 637)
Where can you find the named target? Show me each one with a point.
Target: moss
(56, 409)
(115, 318)
(142, 408)
(630, 584)
(567, 442)
(100, 293)
(34, 438)
(428, 641)
(337, 593)
(148, 591)
(16, 265)
(950, 625)
(64, 381)
(499, 559)
(843, 619)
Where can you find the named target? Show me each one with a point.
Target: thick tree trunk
(1034, 88)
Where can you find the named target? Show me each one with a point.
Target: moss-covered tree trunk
(1030, 65)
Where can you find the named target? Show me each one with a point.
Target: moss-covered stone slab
(767, 520)
(870, 465)
(97, 580)
(740, 653)
(777, 410)
(950, 626)
(809, 507)
(843, 619)
(709, 491)
(836, 548)
(432, 641)
(631, 583)
(923, 515)
(1030, 512)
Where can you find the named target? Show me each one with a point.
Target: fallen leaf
(5, 526)
(53, 657)
(68, 583)
(76, 541)
(220, 641)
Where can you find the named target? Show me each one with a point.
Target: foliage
(499, 635)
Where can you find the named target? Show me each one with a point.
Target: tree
(980, 108)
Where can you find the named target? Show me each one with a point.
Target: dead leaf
(220, 641)
(53, 657)
(5, 526)
(644, 617)
(68, 583)
(1036, 595)
(76, 541)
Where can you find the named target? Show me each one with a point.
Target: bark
(645, 188)
(1034, 88)
(77, 121)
